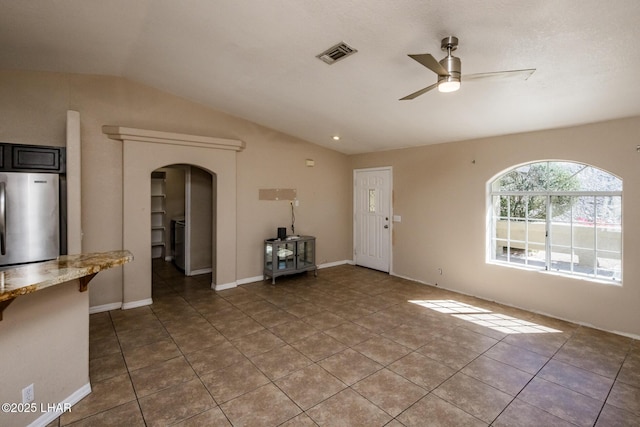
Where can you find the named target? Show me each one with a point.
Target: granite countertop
(30, 278)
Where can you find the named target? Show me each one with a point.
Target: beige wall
(440, 193)
(201, 219)
(324, 193)
(44, 339)
(33, 108)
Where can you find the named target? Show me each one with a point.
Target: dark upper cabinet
(32, 158)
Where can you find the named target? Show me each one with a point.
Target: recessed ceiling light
(336, 138)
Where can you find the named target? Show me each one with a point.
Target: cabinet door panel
(36, 158)
(306, 253)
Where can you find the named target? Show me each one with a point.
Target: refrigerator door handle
(3, 218)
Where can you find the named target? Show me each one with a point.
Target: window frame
(494, 215)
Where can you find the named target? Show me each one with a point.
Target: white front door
(372, 212)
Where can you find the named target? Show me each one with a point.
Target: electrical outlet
(28, 394)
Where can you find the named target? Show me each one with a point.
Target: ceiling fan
(449, 71)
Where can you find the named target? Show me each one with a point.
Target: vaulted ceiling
(257, 60)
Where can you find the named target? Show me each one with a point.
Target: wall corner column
(74, 184)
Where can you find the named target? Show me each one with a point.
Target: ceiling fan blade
(420, 92)
(497, 75)
(431, 63)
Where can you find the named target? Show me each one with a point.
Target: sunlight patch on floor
(483, 317)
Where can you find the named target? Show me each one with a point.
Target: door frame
(188, 214)
(389, 169)
(187, 222)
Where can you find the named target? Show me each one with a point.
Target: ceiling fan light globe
(448, 86)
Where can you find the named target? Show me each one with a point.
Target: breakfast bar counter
(44, 334)
(30, 278)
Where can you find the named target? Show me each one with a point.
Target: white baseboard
(136, 304)
(335, 263)
(633, 336)
(320, 266)
(201, 271)
(74, 398)
(412, 279)
(119, 305)
(250, 280)
(223, 286)
(105, 307)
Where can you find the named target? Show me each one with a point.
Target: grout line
(189, 363)
(614, 382)
(334, 284)
(536, 376)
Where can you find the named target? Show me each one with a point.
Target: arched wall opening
(183, 215)
(145, 151)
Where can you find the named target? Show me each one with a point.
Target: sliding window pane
(515, 252)
(584, 234)
(536, 230)
(561, 234)
(609, 237)
(514, 209)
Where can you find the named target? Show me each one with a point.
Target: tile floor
(352, 347)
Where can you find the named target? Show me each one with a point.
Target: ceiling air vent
(336, 53)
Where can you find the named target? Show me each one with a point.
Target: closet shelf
(158, 213)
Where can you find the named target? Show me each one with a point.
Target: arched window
(557, 216)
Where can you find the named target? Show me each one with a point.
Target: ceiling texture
(257, 60)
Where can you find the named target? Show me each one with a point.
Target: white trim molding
(136, 304)
(254, 279)
(335, 263)
(224, 286)
(105, 307)
(200, 271)
(71, 400)
(249, 280)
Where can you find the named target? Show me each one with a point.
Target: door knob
(386, 226)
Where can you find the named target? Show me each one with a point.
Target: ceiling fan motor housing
(450, 62)
(453, 66)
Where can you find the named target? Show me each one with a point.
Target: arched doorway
(145, 151)
(183, 217)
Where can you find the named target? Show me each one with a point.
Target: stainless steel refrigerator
(29, 217)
